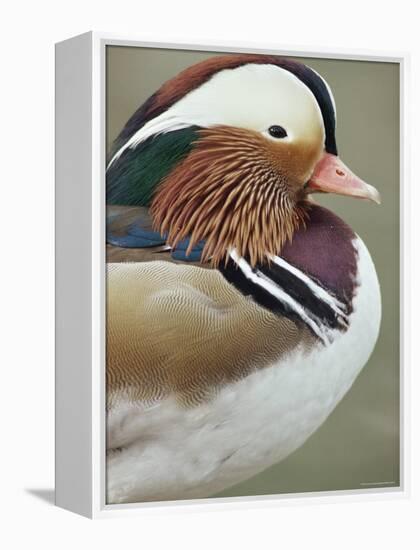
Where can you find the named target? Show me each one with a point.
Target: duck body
(224, 388)
(239, 312)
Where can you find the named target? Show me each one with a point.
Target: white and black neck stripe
(287, 291)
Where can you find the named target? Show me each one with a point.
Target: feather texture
(133, 177)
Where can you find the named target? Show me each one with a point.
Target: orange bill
(331, 175)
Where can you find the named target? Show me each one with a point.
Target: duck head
(228, 151)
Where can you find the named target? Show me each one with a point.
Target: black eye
(277, 132)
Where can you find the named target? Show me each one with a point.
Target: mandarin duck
(239, 312)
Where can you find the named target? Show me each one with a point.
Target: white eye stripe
(158, 125)
(252, 97)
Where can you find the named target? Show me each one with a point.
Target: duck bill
(331, 175)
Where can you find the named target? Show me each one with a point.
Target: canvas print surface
(252, 275)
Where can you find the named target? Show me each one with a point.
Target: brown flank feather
(236, 189)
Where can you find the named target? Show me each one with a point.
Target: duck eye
(277, 132)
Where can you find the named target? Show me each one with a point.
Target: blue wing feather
(131, 227)
(180, 252)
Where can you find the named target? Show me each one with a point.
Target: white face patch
(253, 97)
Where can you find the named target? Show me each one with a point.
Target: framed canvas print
(229, 258)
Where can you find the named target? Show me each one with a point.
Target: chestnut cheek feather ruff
(232, 191)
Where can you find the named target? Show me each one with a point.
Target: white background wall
(29, 30)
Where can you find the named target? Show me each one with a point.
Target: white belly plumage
(180, 453)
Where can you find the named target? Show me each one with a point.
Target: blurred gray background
(358, 446)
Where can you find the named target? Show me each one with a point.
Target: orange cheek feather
(236, 190)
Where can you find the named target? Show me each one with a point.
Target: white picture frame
(80, 276)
